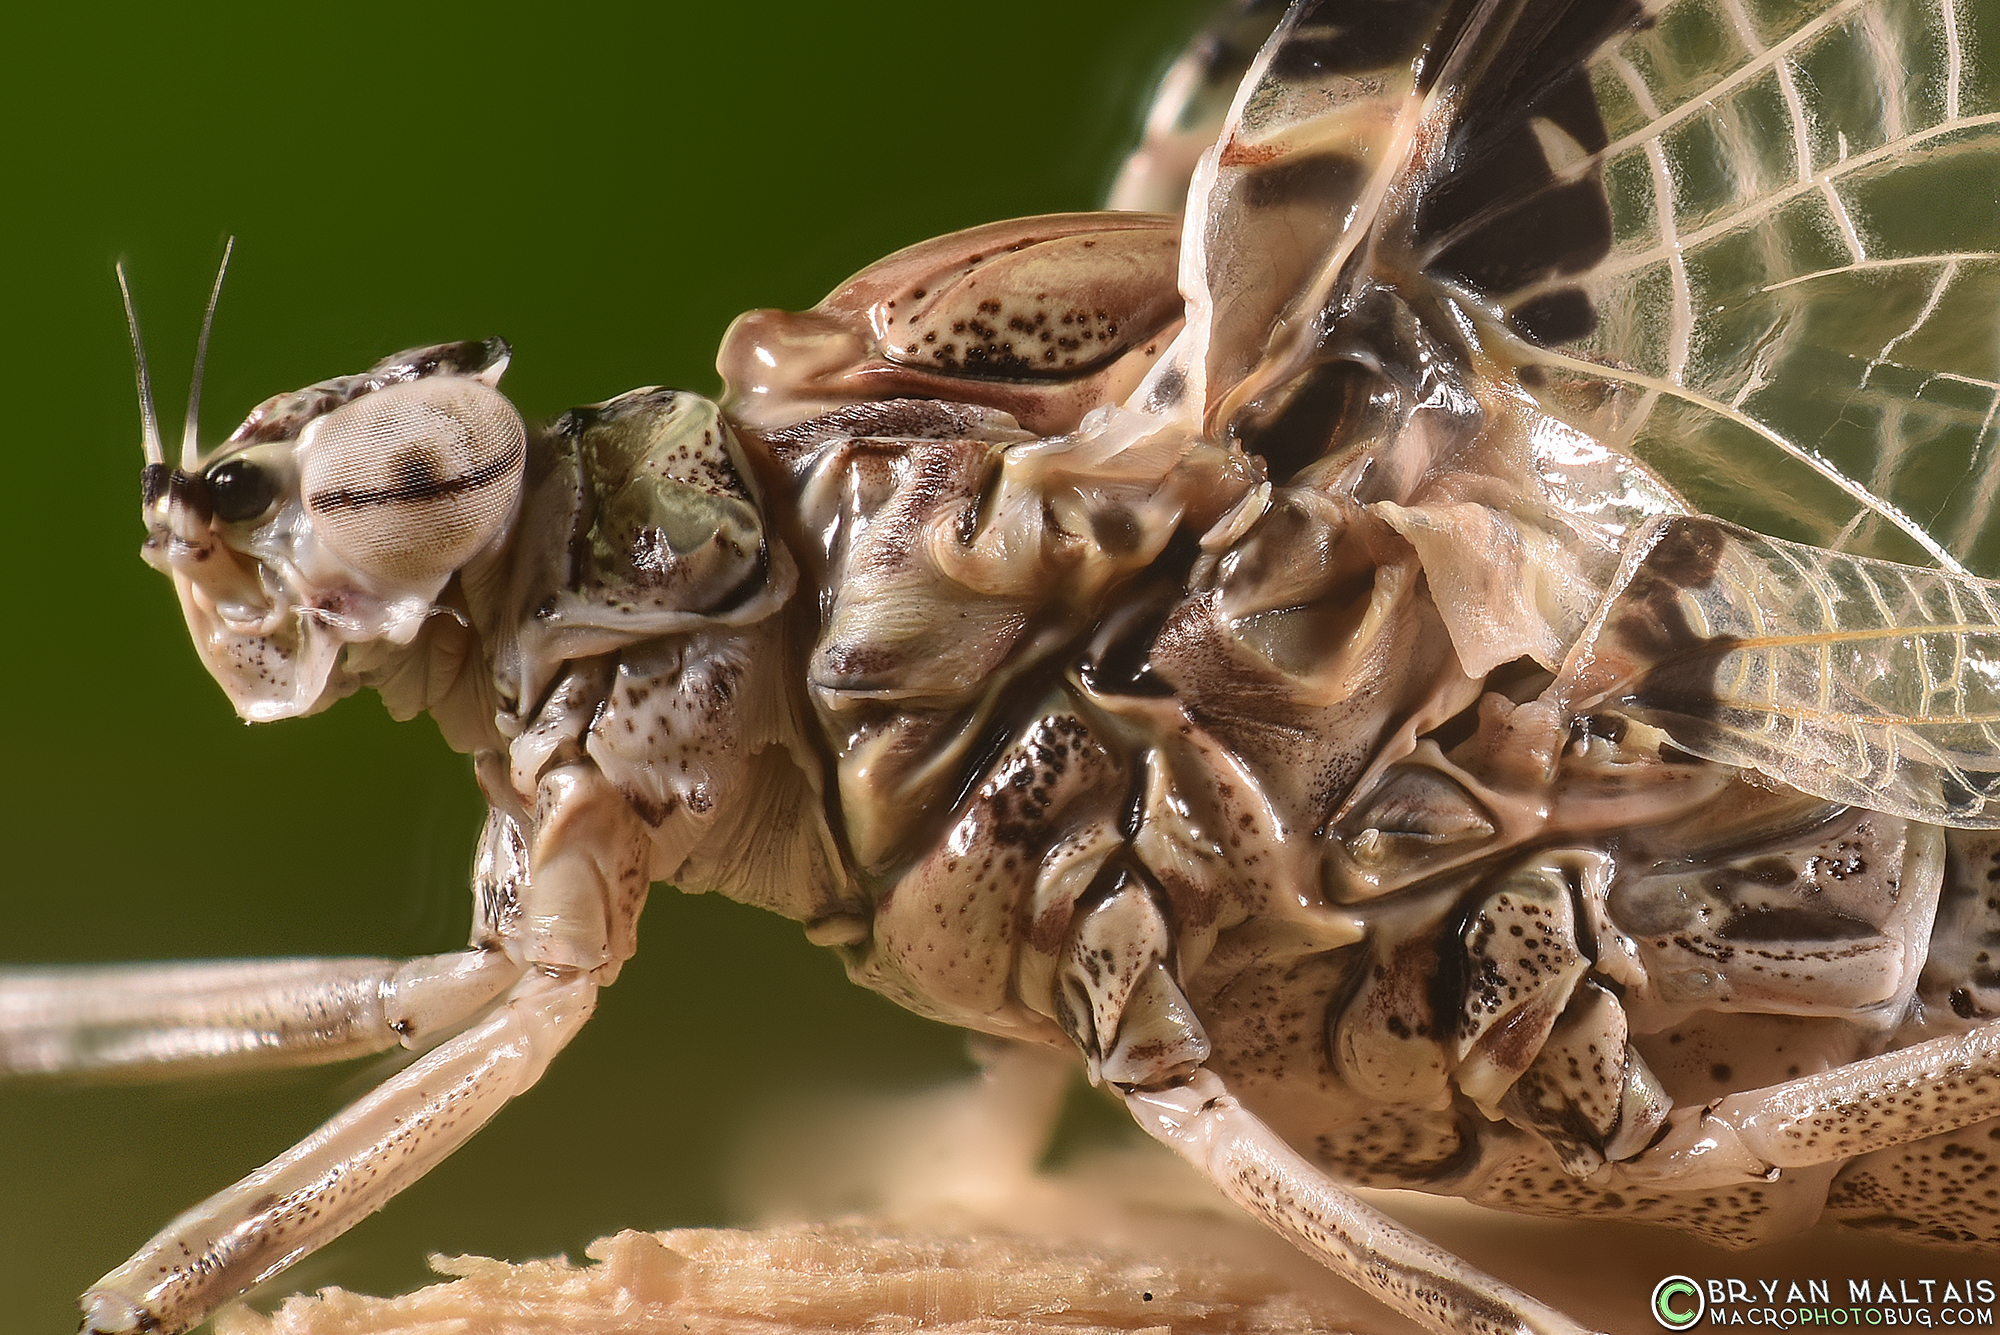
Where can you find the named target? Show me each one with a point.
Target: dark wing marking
(1757, 247)
(1799, 317)
(1857, 680)
(1416, 144)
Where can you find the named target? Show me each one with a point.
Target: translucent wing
(1382, 183)
(1858, 680)
(1403, 145)
(1753, 245)
(1749, 246)
(1798, 321)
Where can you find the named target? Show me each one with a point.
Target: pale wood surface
(795, 1279)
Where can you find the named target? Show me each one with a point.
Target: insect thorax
(1437, 928)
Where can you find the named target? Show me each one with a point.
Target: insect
(1304, 693)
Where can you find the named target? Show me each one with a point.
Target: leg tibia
(342, 1172)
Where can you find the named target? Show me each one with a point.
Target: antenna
(190, 449)
(149, 421)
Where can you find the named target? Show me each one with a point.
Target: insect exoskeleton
(334, 516)
(1042, 318)
(1259, 657)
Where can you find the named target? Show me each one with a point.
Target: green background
(604, 186)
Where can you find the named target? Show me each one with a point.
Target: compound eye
(408, 483)
(240, 490)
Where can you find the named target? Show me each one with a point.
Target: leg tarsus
(108, 1314)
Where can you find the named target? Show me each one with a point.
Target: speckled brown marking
(1945, 1188)
(284, 416)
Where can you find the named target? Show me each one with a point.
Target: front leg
(205, 1016)
(560, 900)
(344, 1171)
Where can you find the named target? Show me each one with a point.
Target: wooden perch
(796, 1279)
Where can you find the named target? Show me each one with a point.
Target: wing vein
(1736, 78)
(1854, 490)
(1755, 210)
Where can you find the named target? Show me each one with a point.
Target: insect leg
(344, 1171)
(1120, 1002)
(1922, 1090)
(198, 1017)
(1201, 1121)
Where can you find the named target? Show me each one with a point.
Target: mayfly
(1372, 661)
